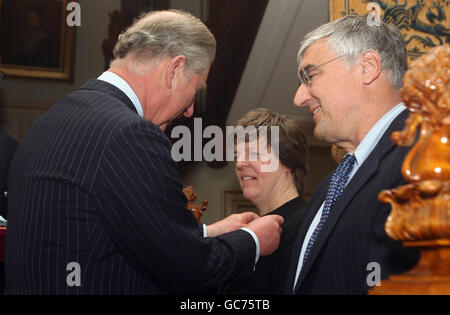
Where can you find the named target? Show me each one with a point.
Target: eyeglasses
(304, 75)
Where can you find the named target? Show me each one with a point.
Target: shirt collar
(122, 85)
(373, 137)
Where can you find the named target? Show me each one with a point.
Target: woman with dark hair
(273, 192)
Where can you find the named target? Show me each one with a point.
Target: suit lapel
(314, 204)
(107, 88)
(364, 173)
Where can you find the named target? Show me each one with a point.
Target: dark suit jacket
(7, 148)
(353, 235)
(95, 184)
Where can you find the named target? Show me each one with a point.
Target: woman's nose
(240, 165)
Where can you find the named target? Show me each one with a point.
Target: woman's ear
(371, 65)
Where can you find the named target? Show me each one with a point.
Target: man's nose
(302, 96)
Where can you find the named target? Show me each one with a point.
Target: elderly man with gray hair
(95, 199)
(350, 73)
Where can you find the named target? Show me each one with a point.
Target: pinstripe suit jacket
(94, 183)
(353, 235)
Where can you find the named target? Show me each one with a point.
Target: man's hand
(231, 223)
(268, 230)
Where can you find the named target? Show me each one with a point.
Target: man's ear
(372, 68)
(175, 67)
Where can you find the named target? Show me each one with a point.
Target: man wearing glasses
(350, 74)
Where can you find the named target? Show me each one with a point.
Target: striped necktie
(335, 189)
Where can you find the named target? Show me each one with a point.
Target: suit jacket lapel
(364, 173)
(316, 201)
(107, 88)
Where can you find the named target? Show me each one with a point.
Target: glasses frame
(304, 77)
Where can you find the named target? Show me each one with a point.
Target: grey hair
(352, 35)
(160, 34)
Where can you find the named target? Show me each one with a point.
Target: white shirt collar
(122, 85)
(373, 137)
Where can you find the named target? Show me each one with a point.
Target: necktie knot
(343, 170)
(346, 164)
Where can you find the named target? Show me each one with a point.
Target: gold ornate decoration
(421, 209)
(191, 196)
(420, 214)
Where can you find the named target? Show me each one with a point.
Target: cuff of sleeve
(256, 241)
(205, 232)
